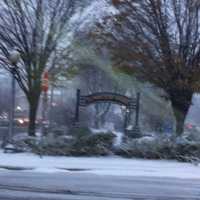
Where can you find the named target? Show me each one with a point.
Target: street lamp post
(13, 58)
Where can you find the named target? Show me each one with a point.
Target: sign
(45, 81)
(107, 97)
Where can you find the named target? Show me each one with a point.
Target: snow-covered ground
(115, 166)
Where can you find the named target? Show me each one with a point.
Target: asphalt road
(16, 185)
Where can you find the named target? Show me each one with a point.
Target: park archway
(131, 104)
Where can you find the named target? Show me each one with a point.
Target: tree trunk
(181, 101)
(33, 106)
(180, 120)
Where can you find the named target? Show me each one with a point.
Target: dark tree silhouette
(158, 41)
(36, 29)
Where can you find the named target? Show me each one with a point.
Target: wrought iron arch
(131, 104)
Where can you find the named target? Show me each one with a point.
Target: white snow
(115, 166)
(92, 14)
(109, 127)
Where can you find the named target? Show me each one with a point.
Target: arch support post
(136, 129)
(78, 94)
(137, 111)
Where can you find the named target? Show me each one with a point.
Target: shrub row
(161, 148)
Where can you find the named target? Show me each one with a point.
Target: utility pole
(51, 107)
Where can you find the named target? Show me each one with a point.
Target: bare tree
(36, 29)
(158, 41)
(95, 80)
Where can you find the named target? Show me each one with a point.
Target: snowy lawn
(115, 166)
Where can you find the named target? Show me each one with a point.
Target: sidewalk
(115, 166)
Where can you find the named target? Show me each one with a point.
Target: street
(16, 185)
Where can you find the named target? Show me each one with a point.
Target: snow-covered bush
(83, 143)
(186, 150)
(95, 144)
(146, 147)
(49, 145)
(25, 143)
(161, 148)
(192, 135)
(80, 132)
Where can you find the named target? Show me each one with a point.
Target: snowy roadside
(114, 166)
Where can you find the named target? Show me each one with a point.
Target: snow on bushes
(81, 142)
(161, 148)
(84, 142)
(94, 144)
